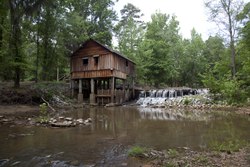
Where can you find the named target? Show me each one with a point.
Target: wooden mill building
(101, 74)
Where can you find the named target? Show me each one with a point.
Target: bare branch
(48, 104)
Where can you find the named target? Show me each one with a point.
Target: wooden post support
(126, 89)
(112, 89)
(92, 94)
(80, 96)
(72, 87)
(123, 90)
(80, 85)
(92, 85)
(133, 87)
(108, 85)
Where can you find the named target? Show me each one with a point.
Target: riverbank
(18, 114)
(188, 157)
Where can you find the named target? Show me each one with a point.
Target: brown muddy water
(113, 131)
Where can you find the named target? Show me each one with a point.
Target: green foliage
(161, 50)
(244, 16)
(45, 33)
(232, 92)
(136, 151)
(172, 153)
(210, 82)
(230, 89)
(202, 159)
(44, 117)
(228, 145)
(130, 33)
(194, 62)
(187, 101)
(170, 164)
(43, 108)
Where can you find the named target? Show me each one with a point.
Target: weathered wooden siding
(104, 62)
(123, 65)
(98, 74)
(91, 48)
(109, 63)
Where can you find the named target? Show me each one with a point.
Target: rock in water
(63, 124)
(80, 121)
(68, 119)
(3, 161)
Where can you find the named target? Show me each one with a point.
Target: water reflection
(115, 129)
(173, 114)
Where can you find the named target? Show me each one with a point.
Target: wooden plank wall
(121, 65)
(106, 61)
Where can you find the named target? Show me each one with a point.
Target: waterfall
(165, 93)
(159, 97)
(153, 93)
(159, 93)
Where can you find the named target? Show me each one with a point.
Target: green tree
(159, 51)
(18, 11)
(194, 62)
(244, 49)
(5, 72)
(130, 31)
(217, 63)
(214, 50)
(219, 77)
(224, 13)
(244, 17)
(89, 19)
(175, 54)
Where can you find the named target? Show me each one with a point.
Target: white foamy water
(167, 96)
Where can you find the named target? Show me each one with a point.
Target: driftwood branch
(48, 104)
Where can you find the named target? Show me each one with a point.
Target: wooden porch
(120, 96)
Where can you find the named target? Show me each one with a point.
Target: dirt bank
(186, 157)
(18, 109)
(18, 115)
(30, 93)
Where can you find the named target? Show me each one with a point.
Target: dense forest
(37, 38)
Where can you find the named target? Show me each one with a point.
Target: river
(113, 131)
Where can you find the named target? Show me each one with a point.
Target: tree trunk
(227, 6)
(233, 55)
(45, 64)
(37, 54)
(1, 32)
(232, 48)
(15, 41)
(57, 74)
(3, 17)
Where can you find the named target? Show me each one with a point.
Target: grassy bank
(186, 157)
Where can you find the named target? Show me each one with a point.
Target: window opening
(85, 61)
(96, 59)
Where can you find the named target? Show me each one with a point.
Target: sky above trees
(191, 14)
